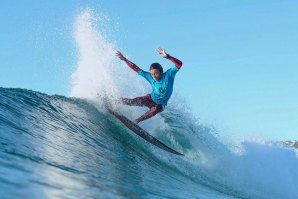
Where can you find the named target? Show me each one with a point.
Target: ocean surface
(60, 147)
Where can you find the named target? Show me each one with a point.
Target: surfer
(161, 82)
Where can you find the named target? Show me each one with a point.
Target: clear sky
(240, 57)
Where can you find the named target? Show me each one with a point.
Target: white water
(98, 70)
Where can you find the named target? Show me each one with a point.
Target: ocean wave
(54, 146)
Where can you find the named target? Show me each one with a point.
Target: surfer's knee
(156, 109)
(160, 108)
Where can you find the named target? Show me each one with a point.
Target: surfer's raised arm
(129, 63)
(163, 54)
(161, 82)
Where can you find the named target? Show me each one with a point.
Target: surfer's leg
(150, 113)
(138, 101)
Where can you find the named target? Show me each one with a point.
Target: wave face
(59, 147)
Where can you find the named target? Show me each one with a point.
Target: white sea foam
(99, 73)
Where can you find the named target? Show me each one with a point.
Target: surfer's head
(156, 71)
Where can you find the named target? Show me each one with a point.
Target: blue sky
(240, 57)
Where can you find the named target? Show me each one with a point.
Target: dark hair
(156, 66)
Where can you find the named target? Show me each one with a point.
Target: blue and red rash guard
(163, 88)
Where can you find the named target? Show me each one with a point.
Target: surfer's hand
(119, 54)
(162, 52)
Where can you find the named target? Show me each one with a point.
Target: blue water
(60, 147)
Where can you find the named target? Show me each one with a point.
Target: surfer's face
(155, 74)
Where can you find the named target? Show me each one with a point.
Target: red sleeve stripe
(132, 66)
(177, 62)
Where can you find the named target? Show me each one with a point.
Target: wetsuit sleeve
(132, 65)
(176, 61)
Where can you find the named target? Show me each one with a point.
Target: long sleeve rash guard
(163, 88)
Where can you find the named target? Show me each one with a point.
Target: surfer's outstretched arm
(163, 54)
(129, 63)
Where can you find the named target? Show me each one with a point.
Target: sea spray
(95, 55)
(99, 73)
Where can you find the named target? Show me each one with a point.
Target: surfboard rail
(142, 133)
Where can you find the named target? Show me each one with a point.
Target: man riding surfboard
(161, 82)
